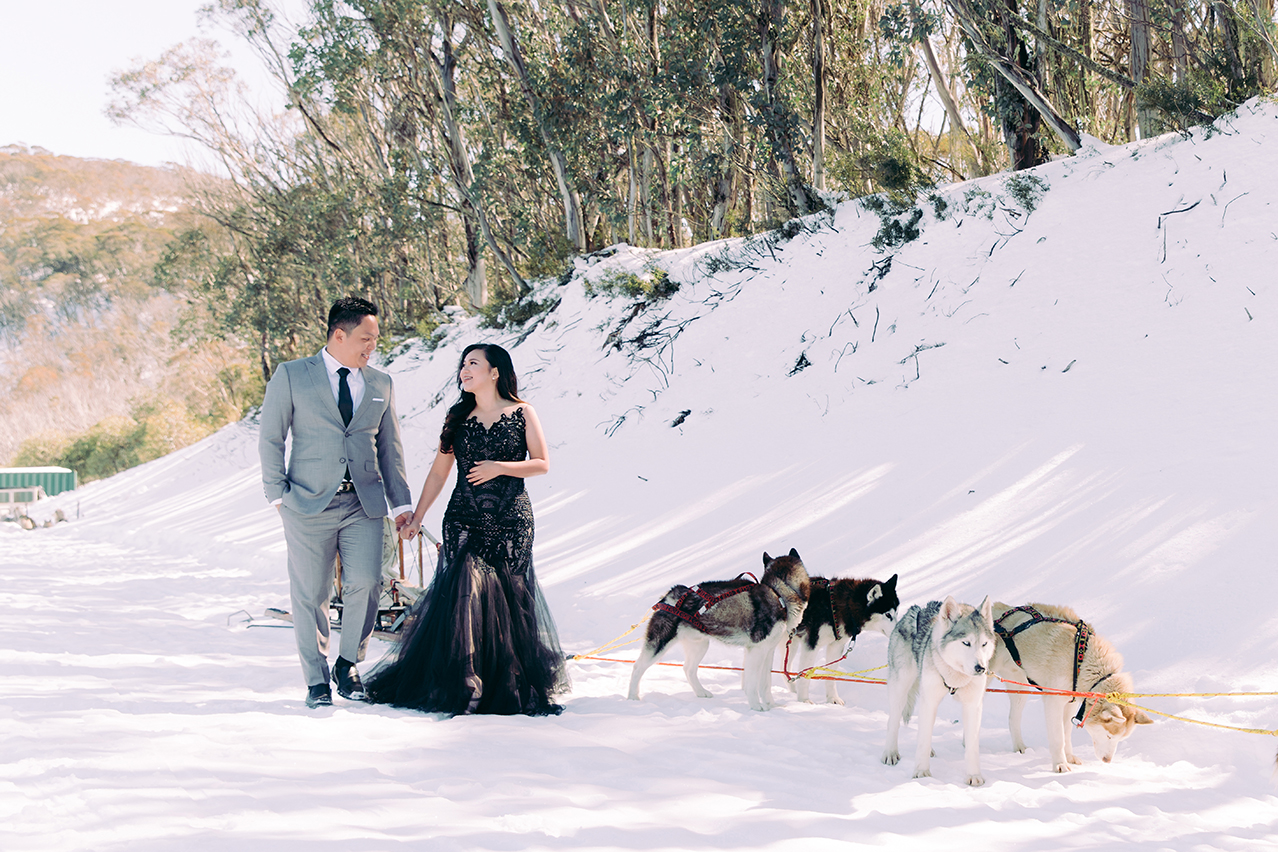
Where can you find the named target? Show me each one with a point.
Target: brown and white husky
(755, 615)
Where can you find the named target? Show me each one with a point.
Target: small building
(21, 486)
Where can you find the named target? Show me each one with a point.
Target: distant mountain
(36, 182)
(87, 347)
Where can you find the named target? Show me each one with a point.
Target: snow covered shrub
(1026, 190)
(653, 284)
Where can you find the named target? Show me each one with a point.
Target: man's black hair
(348, 312)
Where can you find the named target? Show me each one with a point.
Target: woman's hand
(482, 471)
(410, 530)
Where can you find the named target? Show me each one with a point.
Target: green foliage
(157, 427)
(898, 223)
(886, 163)
(1026, 190)
(513, 311)
(979, 202)
(1193, 102)
(652, 285)
(904, 25)
(42, 449)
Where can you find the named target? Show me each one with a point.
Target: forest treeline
(438, 152)
(449, 152)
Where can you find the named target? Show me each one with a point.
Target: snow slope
(1072, 405)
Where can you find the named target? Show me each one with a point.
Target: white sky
(56, 59)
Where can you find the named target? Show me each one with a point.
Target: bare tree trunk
(947, 98)
(1267, 52)
(571, 199)
(819, 14)
(725, 186)
(1138, 12)
(632, 200)
(1180, 42)
(770, 21)
(443, 91)
(1014, 74)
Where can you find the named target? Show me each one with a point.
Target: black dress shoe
(349, 686)
(319, 695)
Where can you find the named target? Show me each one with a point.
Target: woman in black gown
(481, 639)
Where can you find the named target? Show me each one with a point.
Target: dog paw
(835, 700)
(923, 773)
(1062, 767)
(704, 693)
(891, 758)
(1074, 760)
(975, 781)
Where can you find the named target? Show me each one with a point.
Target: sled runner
(398, 592)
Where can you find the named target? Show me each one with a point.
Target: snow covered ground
(1073, 405)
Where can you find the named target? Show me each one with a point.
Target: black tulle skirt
(480, 640)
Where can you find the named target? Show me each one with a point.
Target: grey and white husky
(943, 647)
(839, 611)
(756, 615)
(1051, 647)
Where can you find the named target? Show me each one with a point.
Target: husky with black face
(756, 615)
(839, 611)
(943, 647)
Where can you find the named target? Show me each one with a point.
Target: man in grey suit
(346, 462)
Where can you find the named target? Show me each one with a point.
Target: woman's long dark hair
(507, 388)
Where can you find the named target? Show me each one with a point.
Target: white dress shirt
(355, 380)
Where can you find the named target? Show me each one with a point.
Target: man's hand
(406, 527)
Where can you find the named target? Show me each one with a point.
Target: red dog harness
(706, 600)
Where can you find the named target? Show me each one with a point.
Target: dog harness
(704, 602)
(1082, 633)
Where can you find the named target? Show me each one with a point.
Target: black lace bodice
(493, 519)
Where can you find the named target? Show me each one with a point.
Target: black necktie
(344, 404)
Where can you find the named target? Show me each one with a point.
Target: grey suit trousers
(313, 544)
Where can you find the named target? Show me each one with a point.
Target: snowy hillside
(1063, 390)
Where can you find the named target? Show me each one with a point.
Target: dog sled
(399, 592)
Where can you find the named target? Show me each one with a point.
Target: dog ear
(987, 610)
(890, 585)
(875, 592)
(950, 609)
(795, 554)
(1142, 718)
(766, 559)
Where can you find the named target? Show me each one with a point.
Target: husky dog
(737, 612)
(942, 647)
(838, 610)
(1051, 647)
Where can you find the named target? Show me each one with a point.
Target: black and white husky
(943, 647)
(839, 611)
(756, 615)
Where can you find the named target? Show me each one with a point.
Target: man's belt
(346, 487)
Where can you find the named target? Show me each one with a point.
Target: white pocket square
(378, 399)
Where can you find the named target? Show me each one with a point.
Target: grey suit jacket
(300, 399)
